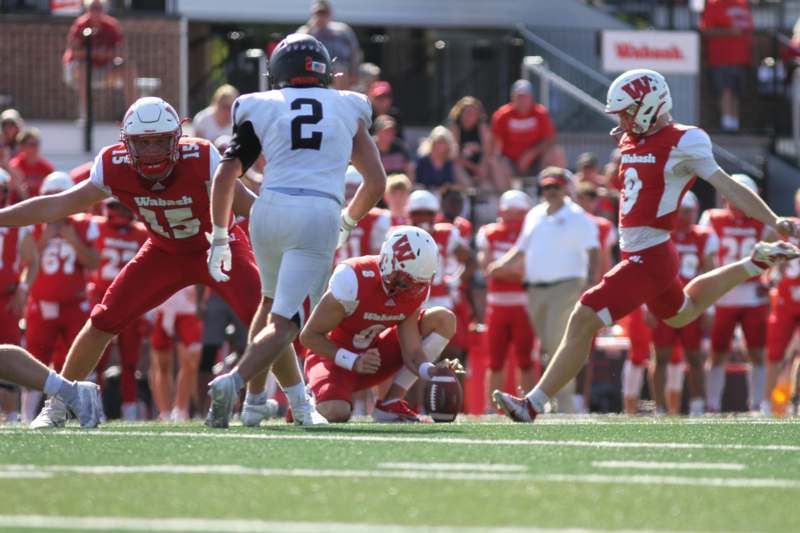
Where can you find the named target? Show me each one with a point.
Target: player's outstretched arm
(367, 161)
(52, 207)
(749, 202)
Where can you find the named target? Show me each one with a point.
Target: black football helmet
(300, 60)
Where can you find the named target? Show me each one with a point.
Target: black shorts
(729, 77)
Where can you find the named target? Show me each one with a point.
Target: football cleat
(774, 253)
(87, 406)
(253, 414)
(396, 411)
(52, 415)
(307, 415)
(223, 394)
(515, 408)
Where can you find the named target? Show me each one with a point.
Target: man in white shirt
(560, 247)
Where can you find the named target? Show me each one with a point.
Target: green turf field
(585, 474)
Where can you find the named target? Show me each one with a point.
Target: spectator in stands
(436, 165)
(727, 26)
(394, 155)
(380, 95)
(587, 168)
(11, 125)
(467, 123)
(398, 188)
(561, 231)
(611, 169)
(217, 119)
(108, 67)
(524, 137)
(30, 165)
(339, 39)
(368, 73)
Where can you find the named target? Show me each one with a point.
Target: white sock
(359, 407)
(715, 384)
(577, 403)
(632, 379)
(766, 407)
(256, 399)
(538, 399)
(433, 345)
(52, 384)
(296, 395)
(30, 404)
(758, 377)
(674, 377)
(697, 407)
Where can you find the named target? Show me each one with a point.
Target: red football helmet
(150, 131)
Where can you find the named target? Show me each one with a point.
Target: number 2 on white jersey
(735, 250)
(116, 259)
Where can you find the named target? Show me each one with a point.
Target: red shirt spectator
(519, 131)
(30, 165)
(107, 37)
(728, 26)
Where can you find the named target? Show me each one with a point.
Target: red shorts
(649, 276)
(51, 327)
(155, 274)
(639, 334)
(188, 330)
(331, 382)
(689, 336)
(508, 325)
(9, 322)
(754, 326)
(782, 323)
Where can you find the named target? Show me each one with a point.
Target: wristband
(349, 223)
(218, 232)
(424, 370)
(345, 358)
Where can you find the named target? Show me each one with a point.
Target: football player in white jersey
(308, 133)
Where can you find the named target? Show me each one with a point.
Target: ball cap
(554, 176)
(522, 86)
(380, 88)
(515, 200)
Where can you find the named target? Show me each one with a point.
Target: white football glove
(219, 256)
(345, 227)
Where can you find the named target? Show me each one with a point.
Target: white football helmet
(56, 182)
(514, 199)
(639, 96)
(150, 131)
(747, 181)
(422, 201)
(408, 260)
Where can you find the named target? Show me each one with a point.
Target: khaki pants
(549, 309)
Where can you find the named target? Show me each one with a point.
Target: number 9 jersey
(306, 134)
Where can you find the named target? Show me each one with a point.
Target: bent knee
(440, 320)
(584, 320)
(335, 410)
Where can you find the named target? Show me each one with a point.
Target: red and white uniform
(57, 303)
(785, 315)
(444, 288)
(506, 301)
(10, 271)
(117, 246)
(176, 214)
(399, 220)
(367, 237)
(371, 322)
(464, 226)
(177, 319)
(747, 303)
(655, 172)
(693, 245)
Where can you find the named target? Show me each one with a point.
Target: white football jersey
(306, 134)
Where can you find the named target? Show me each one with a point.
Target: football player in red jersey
(784, 320)
(660, 161)
(370, 232)
(746, 305)
(370, 326)
(697, 247)
(120, 238)
(452, 207)
(398, 188)
(163, 178)
(507, 321)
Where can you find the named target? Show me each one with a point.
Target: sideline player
(308, 133)
(369, 327)
(370, 232)
(660, 160)
(163, 178)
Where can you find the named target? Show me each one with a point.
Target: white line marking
(655, 465)
(407, 474)
(319, 436)
(453, 467)
(203, 525)
(24, 475)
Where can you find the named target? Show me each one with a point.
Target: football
(443, 398)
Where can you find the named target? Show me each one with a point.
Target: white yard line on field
(455, 467)
(238, 470)
(655, 465)
(326, 436)
(203, 525)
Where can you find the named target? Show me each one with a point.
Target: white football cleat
(517, 409)
(87, 407)
(52, 415)
(223, 393)
(307, 415)
(774, 253)
(253, 414)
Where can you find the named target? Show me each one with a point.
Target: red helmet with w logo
(408, 260)
(639, 97)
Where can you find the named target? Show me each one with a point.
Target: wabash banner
(668, 52)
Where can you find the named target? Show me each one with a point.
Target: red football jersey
(117, 246)
(606, 234)
(737, 234)
(399, 220)
(495, 240)
(650, 194)
(367, 237)
(789, 284)
(176, 209)
(61, 277)
(447, 238)
(464, 226)
(375, 310)
(10, 242)
(693, 245)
